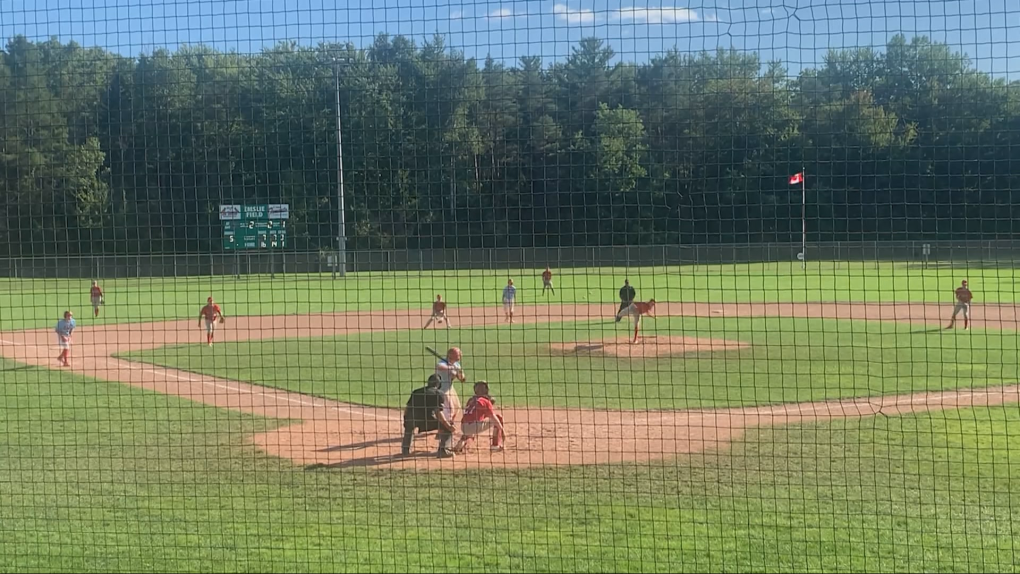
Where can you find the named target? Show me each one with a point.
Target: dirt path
(339, 434)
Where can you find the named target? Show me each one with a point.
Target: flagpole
(803, 218)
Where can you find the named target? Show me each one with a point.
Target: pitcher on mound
(637, 310)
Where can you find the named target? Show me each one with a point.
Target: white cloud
(500, 14)
(662, 15)
(766, 11)
(712, 18)
(456, 15)
(571, 16)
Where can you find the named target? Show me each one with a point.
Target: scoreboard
(254, 226)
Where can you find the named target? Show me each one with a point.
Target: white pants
(63, 343)
(96, 302)
(508, 306)
(210, 326)
(962, 307)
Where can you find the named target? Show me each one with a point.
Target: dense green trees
(101, 153)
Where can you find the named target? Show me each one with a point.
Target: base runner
(209, 314)
(509, 300)
(479, 417)
(64, 330)
(96, 297)
(438, 313)
(963, 299)
(637, 310)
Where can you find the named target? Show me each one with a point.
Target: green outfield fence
(285, 262)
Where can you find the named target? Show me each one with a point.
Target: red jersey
(210, 311)
(963, 295)
(643, 308)
(96, 291)
(439, 306)
(547, 276)
(477, 410)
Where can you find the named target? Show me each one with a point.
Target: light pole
(341, 237)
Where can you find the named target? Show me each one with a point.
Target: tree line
(101, 153)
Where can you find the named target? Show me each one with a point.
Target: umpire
(424, 412)
(627, 296)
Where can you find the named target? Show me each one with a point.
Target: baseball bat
(433, 351)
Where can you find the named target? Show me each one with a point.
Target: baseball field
(767, 419)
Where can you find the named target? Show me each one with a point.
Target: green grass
(99, 477)
(789, 360)
(27, 303)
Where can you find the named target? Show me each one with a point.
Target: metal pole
(803, 218)
(341, 238)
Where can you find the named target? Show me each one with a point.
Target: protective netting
(716, 265)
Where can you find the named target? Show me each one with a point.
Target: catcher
(480, 416)
(424, 412)
(210, 313)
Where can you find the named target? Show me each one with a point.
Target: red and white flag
(796, 178)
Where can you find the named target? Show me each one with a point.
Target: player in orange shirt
(636, 310)
(480, 416)
(963, 299)
(96, 296)
(210, 313)
(438, 313)
(547, 281)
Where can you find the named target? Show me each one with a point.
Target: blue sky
(796, 31)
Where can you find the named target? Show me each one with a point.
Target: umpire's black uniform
(420, 414)
(627, 296)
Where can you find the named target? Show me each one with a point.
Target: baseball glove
(222, 320)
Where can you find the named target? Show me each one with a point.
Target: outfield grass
(38, 303)
(789, 360)
(97, 477)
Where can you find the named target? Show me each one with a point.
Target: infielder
(547, 281)
(424, 413)
(636, 310)
(209, 314)
(627, 296)
(438, 313)
(509, 298)
(65, 327)
(448, 370)
(480, 416)
(963, 299)
(96, 296)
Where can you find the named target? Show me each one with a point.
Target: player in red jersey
(547, 281)
(963, 299)
(210, 313)
(438, 313)
(480, 416)
(96, 296)
(637, 309)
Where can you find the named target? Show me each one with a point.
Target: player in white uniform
(509, 298)
(449, 370)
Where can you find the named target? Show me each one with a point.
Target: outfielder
(96, 297)
(448, 370)
(963, 299)
(547, 281)
(65, 327)
(424, 413)
(509, 298)
(438, 313)
(480, 416)
(210, 313)
(636, 310)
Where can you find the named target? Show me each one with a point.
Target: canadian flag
(796, 178)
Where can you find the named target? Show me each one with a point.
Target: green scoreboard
(255, 226)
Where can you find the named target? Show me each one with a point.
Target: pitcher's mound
(651, 346)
